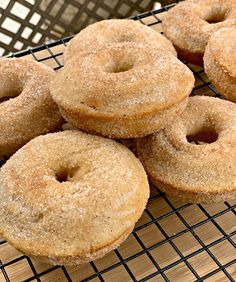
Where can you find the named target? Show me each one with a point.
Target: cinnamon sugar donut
(70, 197)
(105, 32)
(190, 24)
(220, 62)
(198, 173)
(122, 91)
(26, 107)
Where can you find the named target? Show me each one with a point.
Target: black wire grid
(177, 224)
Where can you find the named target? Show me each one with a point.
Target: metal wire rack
(173, 241)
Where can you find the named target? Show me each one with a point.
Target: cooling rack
(173, 241)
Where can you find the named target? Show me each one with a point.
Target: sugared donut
(105, 32)
(220, 62)
(122, 91)
(70, 197)
(181, 168)
(26, 107)
(190, 24)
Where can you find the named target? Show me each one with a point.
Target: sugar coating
(126, 128)
(113, 31)
(81, 218)
(199, 173)
(187, 27)
(154, 82)
(31, 110)
(220, 62)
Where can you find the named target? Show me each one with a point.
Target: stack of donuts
(204, 33)
(69, 197)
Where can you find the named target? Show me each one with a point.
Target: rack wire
(173, 241)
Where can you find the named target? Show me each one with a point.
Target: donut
(114, 31)
(70, 197)
(26, 107)
(190, 24)
(194, 158)
(122, 91)
(220, 62)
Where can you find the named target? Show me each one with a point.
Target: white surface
(4, 3)
(156, 6)
(20, 10)
(13, 26)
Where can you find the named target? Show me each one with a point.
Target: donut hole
(204, 136)
(65, 174)
(7, 95)
(62, 176)
(119, 67)
(215, 17)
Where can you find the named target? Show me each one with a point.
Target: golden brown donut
(190, 24)
(114, 31)
(220, 62)
(26, 107)
(70, 197)
(199, 173)
(127, 142)
(122, 91)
